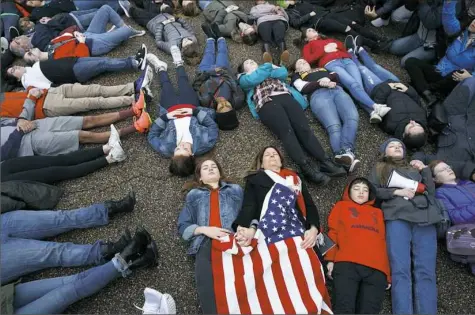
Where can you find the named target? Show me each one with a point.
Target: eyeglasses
(446, 168)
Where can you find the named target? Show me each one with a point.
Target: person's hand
(309, 238)
(313, 13)
(212, 232)
(460, 76)
(186, 111)
(45, 20)
(25, 125)
(398, 86)
(331, 85)
(244, 235)
(331, 47)
(80, 37)
(35, 92)
(177, 112)
(370, 12)
(406, 193)
(418, 164)
(234, 7)
(330, 266)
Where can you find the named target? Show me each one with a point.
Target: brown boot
(266, 56)
(284, 55)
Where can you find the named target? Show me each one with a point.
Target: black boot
(429, 98)
(137, 246)
(331, 169)
(284, 54)
(148, 259)
(208, 31)
(216, 31)
(267, 53)
(126, 204)
(114, 248)
(312, 172)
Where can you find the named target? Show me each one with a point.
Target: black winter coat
(257, 187)
(405, 106)
(299, 14)
(29, 195)
(52, 8)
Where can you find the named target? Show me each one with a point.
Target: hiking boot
(311, 171)
(350, 43)
(267, 53)
(331, 169)
(123, 205)
(284, 54)
(140, 57)
(157, 303)
(148, 259)
(116, 247)
(143, 123)
(137, 246)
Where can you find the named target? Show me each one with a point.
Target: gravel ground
(159, 199)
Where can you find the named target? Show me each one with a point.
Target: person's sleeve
(458, 214)
(313, 217)
(280, 73)
(312, 53)
(295, 20)
(187, 223)
(455, 52)
(428, 180)
(430, 16)
(305, 87)
(28, 111)
(154, 134)
(333, 232)
(255, 12)
(249, 81)
(449, 19)
(382, 192)
(219, 17)
(11, 147)
(250, 209)
(412, 93)
(186, 25)
(164, 46)
(82, 50)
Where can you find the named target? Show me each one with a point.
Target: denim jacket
(203, 129)
(196, 212)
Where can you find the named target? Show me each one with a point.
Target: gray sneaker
(158, 64)
(176, 55)
(125, 5)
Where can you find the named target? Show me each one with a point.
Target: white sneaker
(375, 118)
(354, 166)
(381, 109)
(148, 77)
(117, 154)
(114, 138)
(379, 22)
(176, 55)
(157, 303)
(156, 63)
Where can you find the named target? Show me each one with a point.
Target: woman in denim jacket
(211, 207)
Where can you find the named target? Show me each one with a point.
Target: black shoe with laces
(113, 248)
(140, 57)
(358, 42)
(137, 246)
(311, 171)
(147, 259)
(126, 204)
(14, 32)
(331, 169)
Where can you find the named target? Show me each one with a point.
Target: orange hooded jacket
(358, 232)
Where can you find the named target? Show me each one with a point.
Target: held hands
(80, 37)
(35, 92)
(212, 232)
(309, 238)
(330, 266)
(25, 125)
(327, 83)
(244, 235)
(460, 76)
(370, 12)
(45, 20)
(398, 86)
(179, 112)
(418, 165)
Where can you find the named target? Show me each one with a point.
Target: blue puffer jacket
(203, 129)
(459, 200)
(458, 56)
(196, 212)
(249, 81)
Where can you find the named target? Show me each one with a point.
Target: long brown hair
(387, 164)
(196, 181)
(257, 162)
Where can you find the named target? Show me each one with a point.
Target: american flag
(274, 275)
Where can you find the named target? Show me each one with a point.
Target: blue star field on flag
(281, 220)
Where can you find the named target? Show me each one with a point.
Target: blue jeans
(411, 46)
(89, 67)
(22, 252)
(337, 113)
(203, 3)
(211, 60)
(350, 77)
(371, 73)
(84, 17)
(54, 295)
(404, 238)
(94, 4)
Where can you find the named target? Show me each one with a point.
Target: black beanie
(227, 120)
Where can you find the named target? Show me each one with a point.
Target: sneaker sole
(354, 166)
(144, 62)
(126, 12)
(343, 160)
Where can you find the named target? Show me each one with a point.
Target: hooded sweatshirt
(358, 231)
(315, 52)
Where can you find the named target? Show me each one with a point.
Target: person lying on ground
(182, 129)
(226, 19)
(9, 18)
(93, 40)
(69, 99)
(169, 31)
(458, 196)
(332, 55)
(54, 72)
(280, 107)
(155, 6)
(358, 263)
(333, 107)
(217, 86)
(211, 206)
(60, 135)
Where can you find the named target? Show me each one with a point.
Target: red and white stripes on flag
(268, 279)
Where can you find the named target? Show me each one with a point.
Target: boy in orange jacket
(358, 263)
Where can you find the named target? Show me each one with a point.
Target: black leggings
(141, 16)
(272, 32)
(286, 119)
(51, 169)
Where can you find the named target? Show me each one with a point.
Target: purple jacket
(459, 200)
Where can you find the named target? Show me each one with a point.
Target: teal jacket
(249, 81)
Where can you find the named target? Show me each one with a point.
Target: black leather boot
(284, 54)
(429, 98)
(113, 248)
(137, 246)
(148, 259)
(331, 169)
(126, 204)
(267, 53)
(311, 171)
